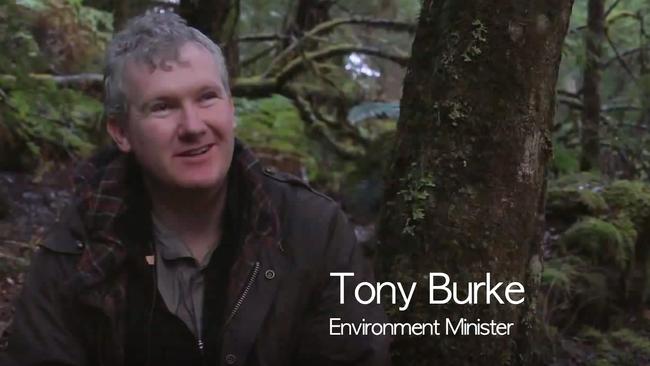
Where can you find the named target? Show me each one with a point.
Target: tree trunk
(591, 85)
(644, 76)
(218, 20)
(303, 15)
(465, 191)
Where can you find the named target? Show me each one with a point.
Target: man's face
(180, 120)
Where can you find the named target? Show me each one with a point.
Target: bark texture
(594, 39)
(465, 191)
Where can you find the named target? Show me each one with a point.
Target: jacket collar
(105, 186)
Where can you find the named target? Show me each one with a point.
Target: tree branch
(611, 8)
(329, 25)
(253, 87)
(267, 37)
(77, 81)
(257, 56)
(296, 65)
(620, 59)
(625, 53)
(317, 126)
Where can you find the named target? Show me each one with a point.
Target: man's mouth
(197, 151)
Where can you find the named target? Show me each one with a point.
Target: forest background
(498, 156)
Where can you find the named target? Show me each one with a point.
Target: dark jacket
(280, 293)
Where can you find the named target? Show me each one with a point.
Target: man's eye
(159, 107)
(209, 96)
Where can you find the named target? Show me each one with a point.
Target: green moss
(416, 194)
(578, 293)
(274, 124)
(633, 341)
(621, 347)
(572, 202)
(564, 161)
(559, 272)
(580, 180)
(600, 241)
(630, 197)
(625, 226)
(573, 275)
(592, 335)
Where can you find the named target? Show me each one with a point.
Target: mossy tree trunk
(595, 35)
(218, 20)
(465, 191)
(304, 15)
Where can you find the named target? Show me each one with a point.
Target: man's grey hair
(153, 39)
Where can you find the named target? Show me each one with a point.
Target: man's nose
(191, 123)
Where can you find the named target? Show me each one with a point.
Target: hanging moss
(599, 241)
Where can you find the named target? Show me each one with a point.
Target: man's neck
(194, 215)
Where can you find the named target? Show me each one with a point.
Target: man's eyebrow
(212, 86)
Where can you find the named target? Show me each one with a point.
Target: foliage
(581, 180)
(599, 241)
(72, 36)
(565, 161)
(38, 120)
(624, 138)
(621, 347)
(274, 123)
(577, 292)
(631, 197)
(571, 202)
(416, 196)
(45, 117)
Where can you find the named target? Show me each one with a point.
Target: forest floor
(34, 203)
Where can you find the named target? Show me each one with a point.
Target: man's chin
(198, 184)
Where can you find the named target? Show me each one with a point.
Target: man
(179, 248)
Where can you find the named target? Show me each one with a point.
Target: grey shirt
(180, 277)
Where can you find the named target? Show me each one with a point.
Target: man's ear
(118, 133)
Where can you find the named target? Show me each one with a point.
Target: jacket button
(231, 359)
(269, 274)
